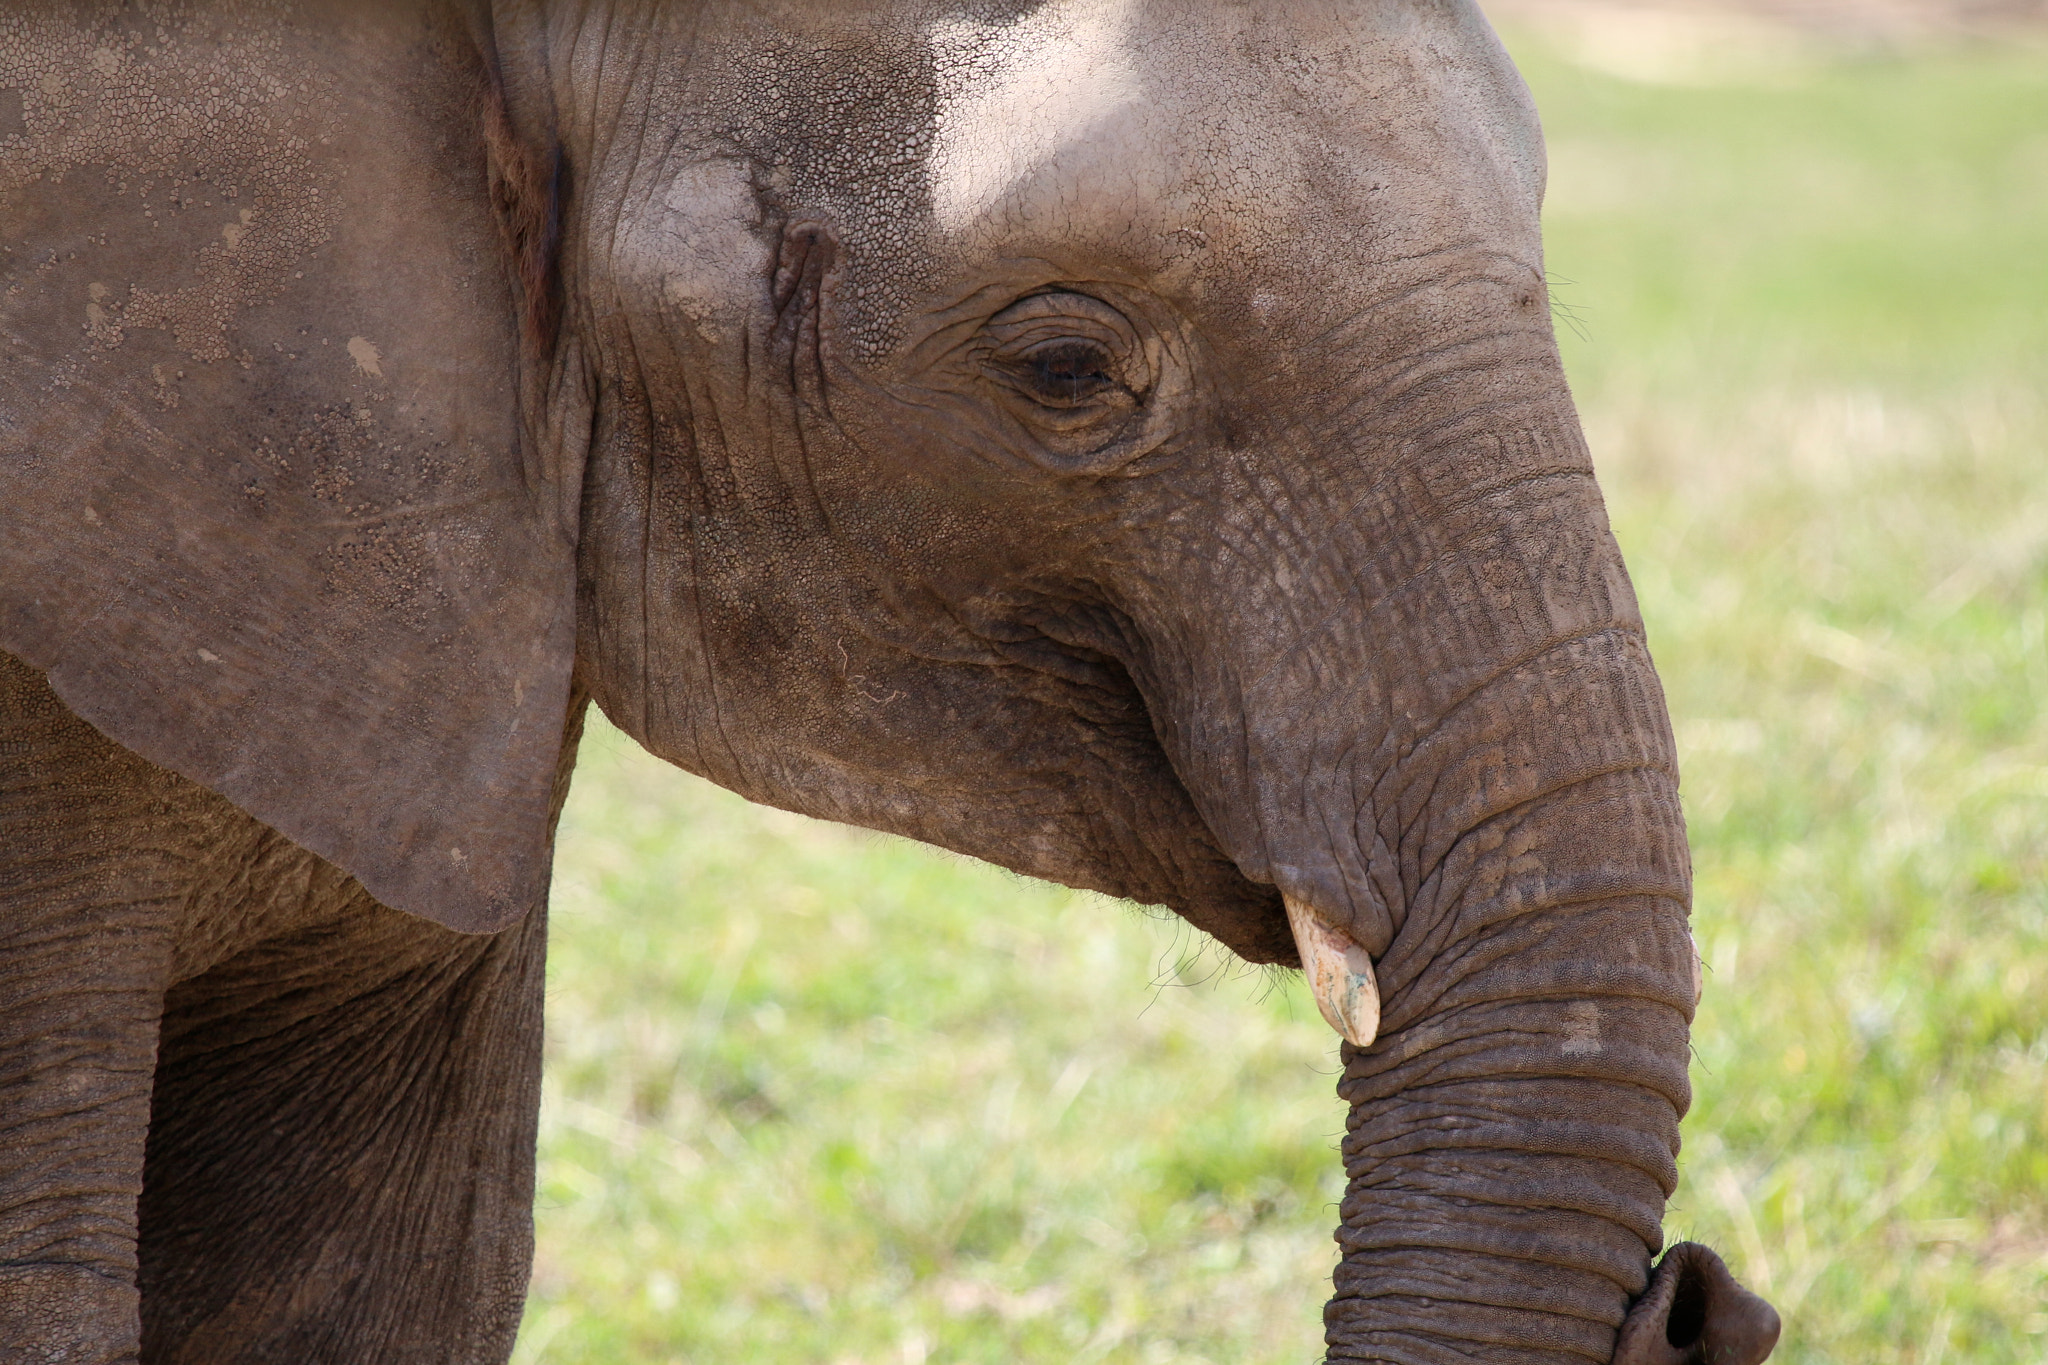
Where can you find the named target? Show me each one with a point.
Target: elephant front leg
(79, 998)
(85, 941)
(341, 1165)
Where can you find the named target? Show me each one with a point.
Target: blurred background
(817, 1095)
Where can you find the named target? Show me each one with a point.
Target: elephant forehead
(1236, 129)
(1161, 144)
(1012, 97)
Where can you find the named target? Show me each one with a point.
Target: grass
(1813, 355)
(817, 1095)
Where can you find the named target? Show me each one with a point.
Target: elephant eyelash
(1067, 373)
(1070, 355)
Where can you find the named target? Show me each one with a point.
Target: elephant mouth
(1130, 823)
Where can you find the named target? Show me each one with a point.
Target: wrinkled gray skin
(1120, 440)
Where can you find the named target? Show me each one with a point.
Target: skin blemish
(1582, 1030)
(367, 358)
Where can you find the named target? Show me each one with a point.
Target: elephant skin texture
(1123, 441)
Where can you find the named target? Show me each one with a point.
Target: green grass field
(815, 1095)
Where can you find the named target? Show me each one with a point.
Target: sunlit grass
(815, 1095)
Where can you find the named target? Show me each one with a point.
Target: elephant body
(1123, 441)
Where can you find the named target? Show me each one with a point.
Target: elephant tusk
(1339, 974)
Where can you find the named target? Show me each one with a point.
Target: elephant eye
(1079, 384)
(1068, 373)
(1071, 356)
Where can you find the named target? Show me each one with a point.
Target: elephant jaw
(1339, 974)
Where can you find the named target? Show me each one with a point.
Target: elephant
(1120, 440)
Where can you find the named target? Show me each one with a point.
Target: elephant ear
(266, 516)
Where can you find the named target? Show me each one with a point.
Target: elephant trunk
(1512, 1135)
(1463, 765)
(1514, 1124)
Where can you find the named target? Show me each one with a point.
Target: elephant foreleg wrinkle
(87, 904)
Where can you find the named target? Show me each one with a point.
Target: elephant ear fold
(266, 517)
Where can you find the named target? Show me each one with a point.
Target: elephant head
(1119, 440)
